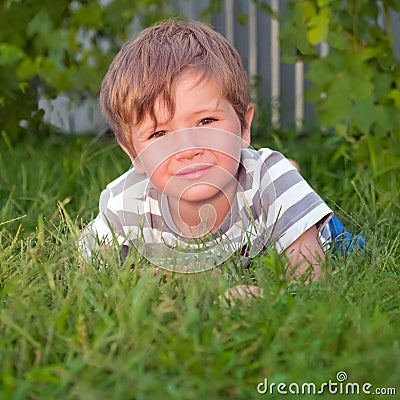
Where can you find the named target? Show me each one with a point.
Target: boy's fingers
(243, 291)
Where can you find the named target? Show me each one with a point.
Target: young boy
(177, 99)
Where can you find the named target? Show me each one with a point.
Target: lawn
(68, 333)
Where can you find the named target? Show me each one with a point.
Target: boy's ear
(135, 161)
(246, 131)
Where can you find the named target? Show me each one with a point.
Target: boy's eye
(206, 121)
(157, 134)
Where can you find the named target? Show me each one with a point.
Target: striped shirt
(273, 206)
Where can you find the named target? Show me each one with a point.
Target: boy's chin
(198, 193)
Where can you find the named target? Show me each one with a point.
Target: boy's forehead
(192, 95)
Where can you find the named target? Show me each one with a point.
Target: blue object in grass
(343, 241)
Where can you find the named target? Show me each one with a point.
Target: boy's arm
(305, 256)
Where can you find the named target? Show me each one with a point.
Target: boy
(177, 99)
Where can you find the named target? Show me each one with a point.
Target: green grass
(112, 334)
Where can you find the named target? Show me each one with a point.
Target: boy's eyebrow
(213, 107)
(208, 109)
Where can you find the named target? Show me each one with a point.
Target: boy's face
(194, 155)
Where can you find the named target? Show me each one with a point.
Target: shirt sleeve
(294, 206)
(102, 232)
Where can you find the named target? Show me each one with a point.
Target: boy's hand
(242, 292)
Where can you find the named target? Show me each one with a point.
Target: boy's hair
(146, 69)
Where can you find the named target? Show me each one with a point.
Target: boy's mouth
(194, 172)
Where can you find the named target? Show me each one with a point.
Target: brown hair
(147, 68)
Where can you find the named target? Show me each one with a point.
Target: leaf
(368, 115)
(308, 10)
(382, 84)
(242, 19)
(26, 69)
(40, 24)
(394, 95)
(323, 3)
(384, 121)
(342, 130)
(89, 16)
(358, 74)
(364, 115)
(337, 40)
(319, 27)
(10, 54)
(336, 106)
(295, 33)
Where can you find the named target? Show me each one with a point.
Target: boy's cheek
(139, 167)
(159, 178)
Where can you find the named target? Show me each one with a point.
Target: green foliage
(56, 47)
(356, 86)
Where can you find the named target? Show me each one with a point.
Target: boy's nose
(189, 153)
